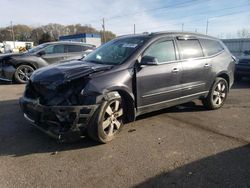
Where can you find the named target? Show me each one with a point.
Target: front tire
(217, 94)
(23, 73)
(107, 122)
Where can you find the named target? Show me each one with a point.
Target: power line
(153, 9)
(211, 18)
(147, 10)
(202, 13)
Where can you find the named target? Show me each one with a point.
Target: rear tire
(23, 73)
(217, 94)
(107, 121)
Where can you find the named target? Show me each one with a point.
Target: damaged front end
(55, 103)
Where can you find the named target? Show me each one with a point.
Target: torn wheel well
(128, 105)
(225, 76)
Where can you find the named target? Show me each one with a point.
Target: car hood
(66, 72)
(10, 55)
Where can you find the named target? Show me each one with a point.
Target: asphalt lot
(184, 146)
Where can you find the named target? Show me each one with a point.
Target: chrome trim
(162, 92)
(162, 102)
(27, 118)
(169, 91)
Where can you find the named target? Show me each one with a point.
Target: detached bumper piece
(64, 123)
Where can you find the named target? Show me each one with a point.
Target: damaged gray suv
(126, 77)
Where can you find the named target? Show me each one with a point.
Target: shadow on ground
(18, 138)
(227, 169)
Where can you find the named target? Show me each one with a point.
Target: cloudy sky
(225, 17)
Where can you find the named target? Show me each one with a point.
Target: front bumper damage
(64, 123)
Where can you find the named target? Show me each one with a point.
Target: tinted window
(211, 47)
(75, 48)
(190, 48)
(116, 51)
(164, 51)
(54, 49)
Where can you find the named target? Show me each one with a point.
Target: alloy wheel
(24, 72)
(219, 94)
(112, 119)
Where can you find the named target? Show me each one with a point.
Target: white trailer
(15, 46)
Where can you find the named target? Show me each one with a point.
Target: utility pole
(182, 27)
(134, 29)
(103, 29)
(207, 27)
(12, 33)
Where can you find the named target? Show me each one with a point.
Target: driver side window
(163, 51)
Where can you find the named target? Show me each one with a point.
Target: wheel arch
(26, 63)
(225, 76)
(129, 104)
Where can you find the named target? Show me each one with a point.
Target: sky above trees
(225, 17)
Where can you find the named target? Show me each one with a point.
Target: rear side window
(164, 51)
(54, 49)
(190, 48)
(211, 47)
(75, 48)
(87, 48)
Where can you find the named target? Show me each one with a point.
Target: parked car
(126, 77)
(242, 68)
(19, 67)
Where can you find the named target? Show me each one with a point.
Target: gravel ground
(183, 146)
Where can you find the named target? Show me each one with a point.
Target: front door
(54, 53)
(158, 85)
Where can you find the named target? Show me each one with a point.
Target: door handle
(175, 70)
(207, 65)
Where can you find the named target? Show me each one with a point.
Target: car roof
(69, 42)
(171, 33)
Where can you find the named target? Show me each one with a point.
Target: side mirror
(41, 53)
(149, 60)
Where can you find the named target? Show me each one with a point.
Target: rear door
(54, 53)
(195, 69)
(74, 51)
(159, 84)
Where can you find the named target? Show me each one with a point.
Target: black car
(19, 67)
(126, 77)
(242, 68)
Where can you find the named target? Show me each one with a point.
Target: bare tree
(243, 33)
(26, 33)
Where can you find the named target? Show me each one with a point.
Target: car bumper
(64, 123)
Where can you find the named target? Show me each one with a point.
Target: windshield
(116, 51)
(37, 48)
